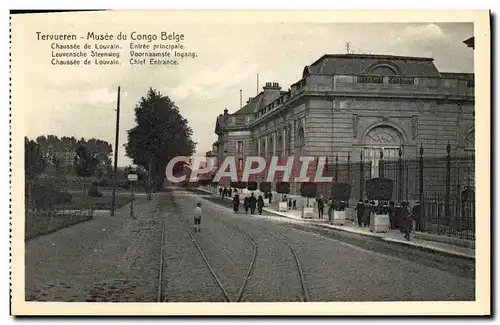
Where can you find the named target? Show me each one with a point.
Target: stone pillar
(274, 142)
(284, 137)
(266, 143)
(258, 147)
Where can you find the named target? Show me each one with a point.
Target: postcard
(250, 163)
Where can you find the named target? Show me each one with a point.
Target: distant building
(353, 107)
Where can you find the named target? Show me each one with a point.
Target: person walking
(366, 215)
(253, 204)
(417, 216)
(236, 202)
(270, 196)
(220, 192)
(321, 206)
(360, 212)
(197, 217)
(260, 204)
(246, 204)
(406, 220)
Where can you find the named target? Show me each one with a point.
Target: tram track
(250, 269)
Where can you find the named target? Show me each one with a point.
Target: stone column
(258, 147)
(266, 143)
(284, 137)
(274, 142)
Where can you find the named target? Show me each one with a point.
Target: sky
(81, 101)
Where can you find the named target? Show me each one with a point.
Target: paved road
(117, 259)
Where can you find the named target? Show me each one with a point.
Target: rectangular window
(240, 146)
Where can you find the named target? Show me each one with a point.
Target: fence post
(349, 167)
(421, 187)
(447, 190)
(400, 176)
(336, 168)
(361, 176)
(381, 167)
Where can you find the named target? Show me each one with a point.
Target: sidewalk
(393, 236)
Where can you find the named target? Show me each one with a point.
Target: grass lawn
(38, 224)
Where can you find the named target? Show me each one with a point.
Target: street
(251, 258)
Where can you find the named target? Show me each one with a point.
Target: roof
(356, 64)
(469, 42)
(251, 106)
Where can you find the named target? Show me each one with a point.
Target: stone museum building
(353, 108)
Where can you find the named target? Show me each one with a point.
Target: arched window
(270, 146)
(300, 141)
(383, 71)
(385, 139)
(279, 145)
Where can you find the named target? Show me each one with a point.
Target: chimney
(272, 85)
(249, 99)
(225, 111)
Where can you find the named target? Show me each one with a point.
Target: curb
(389, 240)
(428, 249)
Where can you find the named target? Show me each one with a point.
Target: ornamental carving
(355, 122)
(414, 127)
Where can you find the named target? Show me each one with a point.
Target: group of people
(223, 192)
(249, 203)
(401, 216)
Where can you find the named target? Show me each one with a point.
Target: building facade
(355, 107)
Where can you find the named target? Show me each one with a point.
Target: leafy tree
(161, 133)
(85, 163)
(34, 160)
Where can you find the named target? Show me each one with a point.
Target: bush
(94, 191)
(48, 194)
(308, 189)
(341, 191)
(265, 187)
(283, 187)
(239, 185)
(252, 186)
(379, 189)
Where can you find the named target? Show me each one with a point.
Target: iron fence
(442, 187)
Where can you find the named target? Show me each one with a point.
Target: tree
(34, 160)
(161, 133)
(85, 163)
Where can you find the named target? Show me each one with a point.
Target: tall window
(240, 147)
(385, 139)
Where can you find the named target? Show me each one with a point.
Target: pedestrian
(406, 220)
(360, 211)
(289, 204)
(270, 196)
(197, 217)
(330, 208)
(236, 203)
(260, 204)
(220, 192)
(393, 215)
(253, 204)
(417, 216)
(294, 205)
(246, 204)
(321, 206)
(366, 215)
